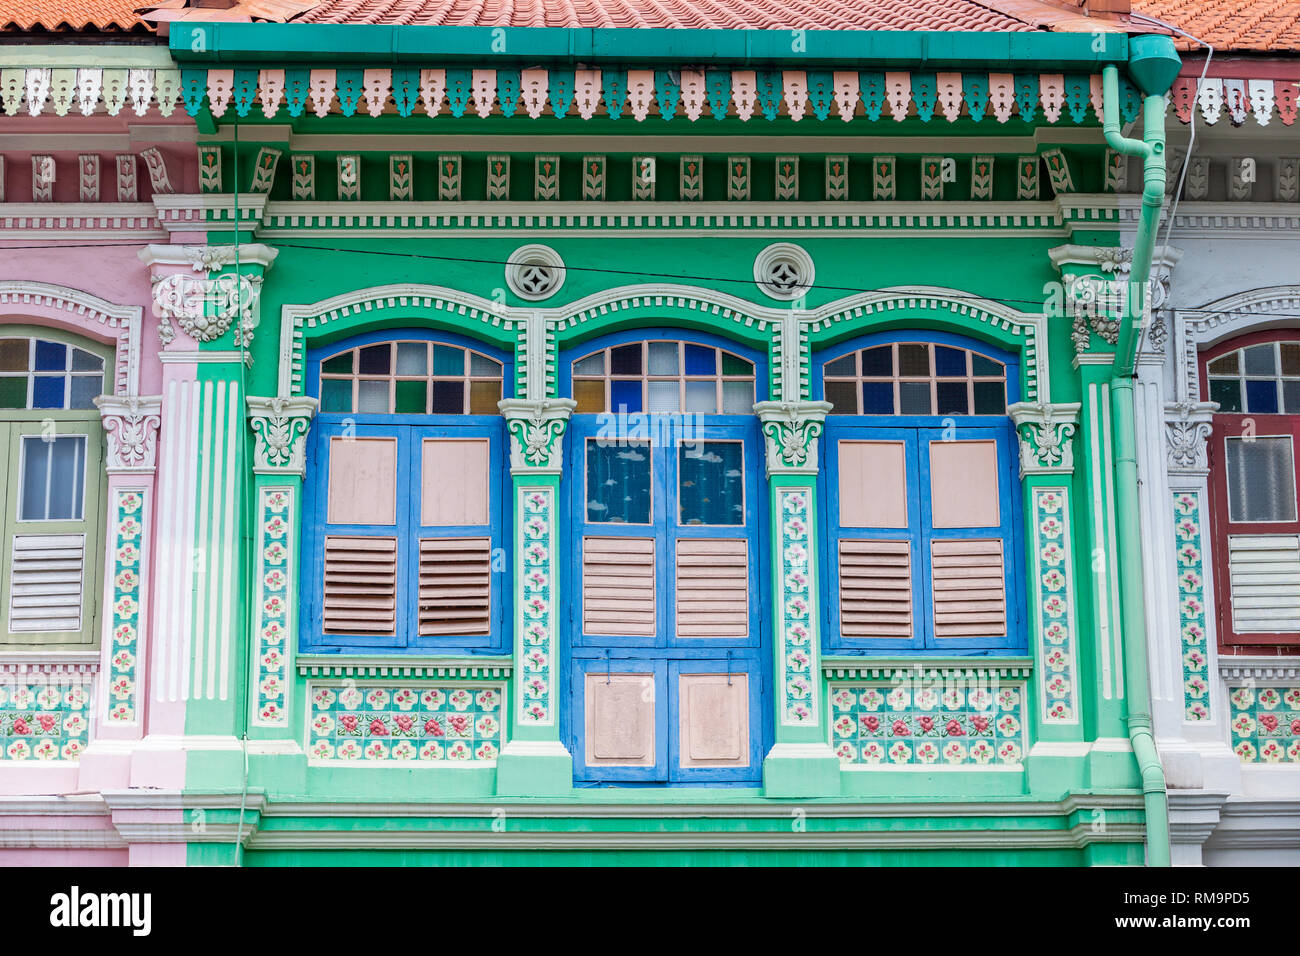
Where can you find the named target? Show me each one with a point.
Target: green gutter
(1153, 64)
(232, 43)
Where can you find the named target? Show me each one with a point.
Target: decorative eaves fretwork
(1046, 434)
(791, 430)
(131, 424)
(1187, 432)
(1263, 99)
(536, 429)
(280, 433)
(668, 93)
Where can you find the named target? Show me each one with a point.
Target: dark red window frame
(1230, 425)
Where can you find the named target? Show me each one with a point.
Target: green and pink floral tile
(1191, 605)
(416, 722)
(953, 723)
(43, 721)
(1266, 724)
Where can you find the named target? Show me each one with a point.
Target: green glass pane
(618, 482)
(711, 483)
(338, 365)
(1227, 392)
(735, 365)
(13, 391)
(335, 395)
(448, 360)
(411, 398)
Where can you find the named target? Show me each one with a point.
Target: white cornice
(1234, 668)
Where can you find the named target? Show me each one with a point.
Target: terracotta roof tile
(71, 16)
(1241, 26)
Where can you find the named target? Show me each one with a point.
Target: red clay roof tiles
(73, 16)
(1241, 26)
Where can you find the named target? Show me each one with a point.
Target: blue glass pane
(877, 398)
(949, 363)
(51, 356)
(1227, 392)
(625, 360)
(47, 391)
(1261, 397)
(625, 395)
(618, 482)
(711, 483)
(701, 360)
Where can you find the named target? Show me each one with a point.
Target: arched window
(666, 503)
(920, 496)
(406, 493)
(1252, 457)
(52, 482)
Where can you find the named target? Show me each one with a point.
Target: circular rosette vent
(535, 272)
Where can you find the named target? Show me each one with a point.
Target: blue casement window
(664, 616)
(920, 496)
(404, 506)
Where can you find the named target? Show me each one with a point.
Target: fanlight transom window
(664, 377)
(36, 373)
(416, 378)
(915, 378)
(1260, 379)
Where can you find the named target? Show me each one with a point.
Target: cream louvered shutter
(618, 586)
(875, 588)
(46, 582)
(969, 587)
(712, 587)
(455, 586)
(360, 593)
(1264, 573)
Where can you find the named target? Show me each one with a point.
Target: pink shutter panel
(712, 587)
(618, 586)
(454, 482)
(360, 593)
(456, 586)
(875, 588)
(362, 481)
(969, 588)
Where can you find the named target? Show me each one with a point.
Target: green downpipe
(1153, 64)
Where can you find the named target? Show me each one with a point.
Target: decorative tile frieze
(690, 182)
(884, 181)
(449, 178)
(738, 178)
(1266, 723)
(1053, 605)
(643, 178)
(280, 428)
(593, 178)
(88, 177)
(416, 722)
(1189, 532)
(787, 178)
(304, 176)
(946, 722)
(43, 718)
(798, 684)
(546, 177)
(122, 679)
(791, 430)
(349, 177)
(210, 169)
(1027, 177)
(536, 430)
(837, 178)
(498, 177)
(275, 571)
(401, 183)
(536, 614)
(131, 428)
(932, 177)
(981, 177)
(1046, 433)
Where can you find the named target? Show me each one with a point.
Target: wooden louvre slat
(969, 588)
(46, 582)
(618, 586)
(360, 586)
(712, 587)
(1264, 571)
(875, 588)
(456, 586)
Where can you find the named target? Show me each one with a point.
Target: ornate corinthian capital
(280, 433)
(1046, 436)
(791, 430)
(1187, 429)
(131, 423)
(535, 430)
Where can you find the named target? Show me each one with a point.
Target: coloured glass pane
(335, 396)
(50, 357)
(483, 398)
(711, 483)
(448, 398)
(843, 397)
(14, 355)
